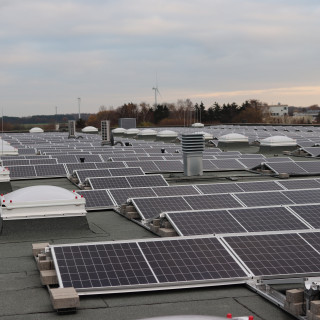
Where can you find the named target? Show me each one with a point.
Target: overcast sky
(108, 52)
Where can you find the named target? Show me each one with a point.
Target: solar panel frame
(153, 180)
(274, 255)
(22, 172)
(91, 173)
(291, 168)
(216, 188)
(50, 170)
(303, 196)
(149, 208)
(97, 199)
(259, 186)
(132, 171)
(299, 184)
(263, 199)
(108, 183)
(121, 196)
(175, 190)
(212, 201)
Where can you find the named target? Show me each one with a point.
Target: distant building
(279, 110)
(309, 114)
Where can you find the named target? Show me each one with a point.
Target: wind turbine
(156, 91)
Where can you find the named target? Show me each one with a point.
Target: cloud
(108, 52)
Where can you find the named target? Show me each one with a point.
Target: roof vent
(72, 129)
(192, 148)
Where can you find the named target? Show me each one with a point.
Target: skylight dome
(167, 133)
(41, 202)
(147, 132)
(133, 131)
(119, 130)
(89, 129)
(278, 141)
(36, 130)
(206, 135)
(233, 137)
(197, 125)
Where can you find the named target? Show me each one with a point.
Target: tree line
(182, 113)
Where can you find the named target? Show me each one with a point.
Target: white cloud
(109, 51)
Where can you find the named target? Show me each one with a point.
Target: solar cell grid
(126, 171)
(66, 158)
(102, 265)
(310, 166)
(169, 165)
(218, 188)
(277, 254)
(110, 164)
(96, 199)
(227, 164)
(89, 157)
(313, 238)
(309, 213)
(122, 195)
(22, 171)
(259, 186)
(150, 208)
(190, 260)
(263, 199)
(50, 170)
(303, 196)
(313, 151)
(108, 183)
(204, 222)
(175, 191)
(146, 166)
(267, 219)
(79, 166)
(285, 167)
(90, 173)
(146, 181)
(300, 184)
(251, 163)
(212, 201)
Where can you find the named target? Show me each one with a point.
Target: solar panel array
(105, 266)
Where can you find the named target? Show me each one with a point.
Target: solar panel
(79, 166)
(169, 165)
(43, 161)
(303, 196)
(20, 162)
(278, 159)
(276, 254)
(309, 213)
(96, 199)
(228, 164)
(89, 157)
(300, 184)
(212, 201)
(108, 183)
(204, 222)
(120, 196)
(263, 199)
(310, 166)
(90, 173)
(22, 172)
(146, 166)
(285, 167)
(218, 188)
(50, 170)
(190, 260)
(251, 163)
(313, 151)
(259, 186)
(147, 181)
(175, 191)
(267, 219)
(149, 208)
(102, 265)
(208, 165)
(312, 238)
(66, 158)
(126, 171)
(110, 164)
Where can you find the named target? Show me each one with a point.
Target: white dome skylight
(233, 137)
(41, 202)
(36, 130)
(167, 134)
(119, 130)
(89, 129)
(278, 141)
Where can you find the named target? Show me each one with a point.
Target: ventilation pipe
(192, 148)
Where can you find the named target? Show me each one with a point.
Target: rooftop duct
(192, 148)
(72, 129)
